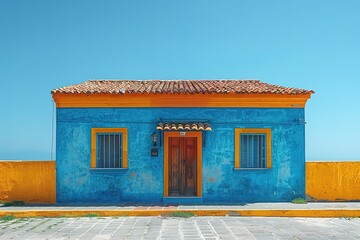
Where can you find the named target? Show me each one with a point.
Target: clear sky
(307, 44)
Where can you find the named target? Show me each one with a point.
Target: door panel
(174, 166)
(182, 166)
(189, 159)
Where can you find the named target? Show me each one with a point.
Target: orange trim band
(180, 100)
(124, 132)
(266, 131)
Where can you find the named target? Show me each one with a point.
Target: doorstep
(183, 200)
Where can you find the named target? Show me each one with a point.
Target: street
(181, 228)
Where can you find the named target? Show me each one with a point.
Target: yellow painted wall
(28, 181)
(333, 181)
(35, 181)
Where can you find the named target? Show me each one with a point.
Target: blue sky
(307, 44)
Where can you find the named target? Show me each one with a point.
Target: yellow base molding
(318, 213)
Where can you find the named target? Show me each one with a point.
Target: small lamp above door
(154, 139)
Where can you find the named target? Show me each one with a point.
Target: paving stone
(178, 228)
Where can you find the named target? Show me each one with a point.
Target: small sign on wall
(154, 152)
(182, 133)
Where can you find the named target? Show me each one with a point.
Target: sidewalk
(313, 209)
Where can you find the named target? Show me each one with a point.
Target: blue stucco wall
(143, 180)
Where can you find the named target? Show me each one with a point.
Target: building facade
(179, 141)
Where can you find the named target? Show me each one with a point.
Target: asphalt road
(181, 228)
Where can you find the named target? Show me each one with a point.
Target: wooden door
(182, 166)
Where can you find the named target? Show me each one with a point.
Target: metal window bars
(252, 150)
(109, 150)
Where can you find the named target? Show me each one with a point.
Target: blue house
(179, 141)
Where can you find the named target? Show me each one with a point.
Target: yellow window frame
(123, 131)
(239, 131)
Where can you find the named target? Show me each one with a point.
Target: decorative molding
(180, 100)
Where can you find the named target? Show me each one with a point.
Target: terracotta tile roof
(184, 126)
(178, 86)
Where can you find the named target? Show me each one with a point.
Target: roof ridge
(162, 80)
(224, 86)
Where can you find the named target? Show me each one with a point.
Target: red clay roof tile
(178, 86)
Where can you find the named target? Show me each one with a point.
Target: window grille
(109, 150)
(252, 150)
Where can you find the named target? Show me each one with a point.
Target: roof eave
(101, 100)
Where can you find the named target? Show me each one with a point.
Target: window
(252, 148)
(109, 148)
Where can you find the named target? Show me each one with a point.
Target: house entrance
(182, 164)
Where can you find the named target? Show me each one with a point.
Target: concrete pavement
(179, 228)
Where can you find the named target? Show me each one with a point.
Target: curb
(318, 213)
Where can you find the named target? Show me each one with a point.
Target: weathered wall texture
(28, 181)
(333, 181)
(34, 181)
(143, 180)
